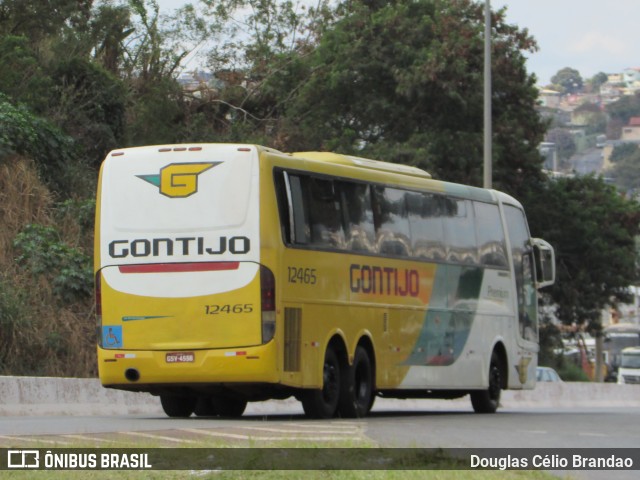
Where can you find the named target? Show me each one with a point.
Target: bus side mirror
(545, 263)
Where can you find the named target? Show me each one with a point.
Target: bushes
(26, 135)
(43, 253)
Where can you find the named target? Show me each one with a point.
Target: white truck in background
(629, 370)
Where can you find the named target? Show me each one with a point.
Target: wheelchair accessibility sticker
(112, 336)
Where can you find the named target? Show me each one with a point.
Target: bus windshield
(630, 360)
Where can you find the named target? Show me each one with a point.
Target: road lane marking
(158, 437)
(300, 431)
(91, 439)
(240, 436)
(30, 439)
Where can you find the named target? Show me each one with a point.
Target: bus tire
(205, 407)
(323, 403)
(356, 392)
(488, 401)
(178, 406)
(229, 407)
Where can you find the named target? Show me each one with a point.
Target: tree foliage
(569, 79)
(28, 135)
(565, 144)
(625, 169)
(597, 81)
(402, 81)
(593, 230)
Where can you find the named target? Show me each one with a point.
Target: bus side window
(292, 208)
(460, 231)
(358, 216)
(325, 215)
(301, 230)
(491, 240)
(427, 230)
(392, 221)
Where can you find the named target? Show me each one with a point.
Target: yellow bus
(227, 274)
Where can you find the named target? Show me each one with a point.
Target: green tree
(597, 81)
(622, 152)
(22, 75)
(26, 134)
(625, 170)
(259, 57)
(569, 79)
(402, 81)
(110, 27)
(593, 230)
(40, 20)
(90, 105)
(593, 117)
(565, 144)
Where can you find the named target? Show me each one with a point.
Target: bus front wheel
(487, 401)
(356, 393)
(323, 403)
(178, 406)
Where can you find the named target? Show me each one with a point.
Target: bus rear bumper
(145, 370)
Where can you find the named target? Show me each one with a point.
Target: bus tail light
(98, 292)
(268, 303)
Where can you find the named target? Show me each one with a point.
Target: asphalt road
(391, 424)
(395, 423)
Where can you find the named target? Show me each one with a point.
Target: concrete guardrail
(82, 396)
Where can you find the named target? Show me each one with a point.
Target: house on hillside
(631, 80)
(631, 75)
(615, 78)
(549, 98)
(195, 80)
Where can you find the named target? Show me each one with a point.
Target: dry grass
(23, 199)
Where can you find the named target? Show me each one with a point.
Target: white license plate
(180, 357)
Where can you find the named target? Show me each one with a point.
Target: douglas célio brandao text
(552, 462)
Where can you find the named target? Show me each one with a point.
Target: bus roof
(631, 350)
(410, 172)
(622, 328)
(352, 161)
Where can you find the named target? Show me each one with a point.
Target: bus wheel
(229, 406)
(356, 393)
(178, 405)
(487, 401)
(323, 403)
(205, 407)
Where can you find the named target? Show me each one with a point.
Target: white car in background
(547, 374)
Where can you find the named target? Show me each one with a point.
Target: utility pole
(488, 134)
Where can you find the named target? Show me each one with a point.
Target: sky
(590, 36)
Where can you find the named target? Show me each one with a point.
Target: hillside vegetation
(45, 279)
